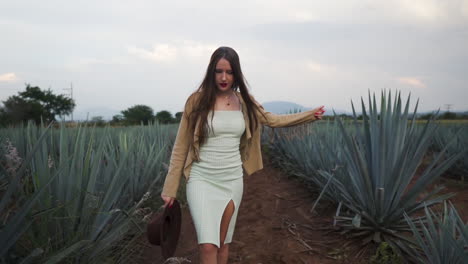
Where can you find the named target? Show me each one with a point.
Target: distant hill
(283, 107)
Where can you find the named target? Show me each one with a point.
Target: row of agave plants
(77, 195)
(371, 170)
(444, 135)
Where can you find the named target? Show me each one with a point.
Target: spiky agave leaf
(440, 239)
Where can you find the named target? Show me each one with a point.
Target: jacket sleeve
(274, 120)
(178, 156)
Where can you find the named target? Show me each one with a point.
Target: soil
(460, 199)
(275, 225)
(452, 184)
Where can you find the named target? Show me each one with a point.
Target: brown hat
(164, 229)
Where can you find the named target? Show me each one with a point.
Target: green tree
(4, 118)
(117, 119)
(178, 116)
(427, 116)
(164, 117)
(98, 121)
(34, 104)
(137, 114)
(448, 115)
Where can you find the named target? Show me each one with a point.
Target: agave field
(78, 195)
(83, 195)
(380, 172)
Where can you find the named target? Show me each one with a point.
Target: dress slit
(230, 220)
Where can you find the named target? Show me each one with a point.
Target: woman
(219, 133)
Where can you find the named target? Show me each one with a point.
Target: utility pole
(448, 106)
(71, 96)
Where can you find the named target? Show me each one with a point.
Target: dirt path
(268, 228)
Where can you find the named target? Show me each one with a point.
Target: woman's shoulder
(191, 100)
(193, 97)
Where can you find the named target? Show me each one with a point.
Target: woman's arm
(274, 120)
(179, 154)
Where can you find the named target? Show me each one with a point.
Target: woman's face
(223, 75)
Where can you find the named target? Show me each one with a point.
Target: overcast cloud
(121, 53)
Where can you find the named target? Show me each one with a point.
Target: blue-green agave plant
(459, 133)
(378, 181)
(440, 239)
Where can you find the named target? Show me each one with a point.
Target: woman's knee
(208, 248)
(223, 249)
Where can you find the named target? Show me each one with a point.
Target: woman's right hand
(319, 112)
(167, 200)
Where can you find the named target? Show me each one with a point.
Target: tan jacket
(183, 153)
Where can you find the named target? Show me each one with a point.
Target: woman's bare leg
(223, 254)
(208, 253)
(223, 251)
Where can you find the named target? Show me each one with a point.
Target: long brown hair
(208, 88)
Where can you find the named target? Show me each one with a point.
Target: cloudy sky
(121, 53)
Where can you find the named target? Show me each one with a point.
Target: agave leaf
(330, 176)
(67, 251)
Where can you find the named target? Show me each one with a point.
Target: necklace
(228, 98)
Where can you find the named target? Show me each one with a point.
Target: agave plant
(441, 239)
(458, 133)
(303, 153)
(78, 191)
(378, 182)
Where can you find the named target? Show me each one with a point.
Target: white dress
(217, 178)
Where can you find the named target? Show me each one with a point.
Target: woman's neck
(224, 94)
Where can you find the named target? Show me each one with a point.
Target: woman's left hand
(319, 112)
